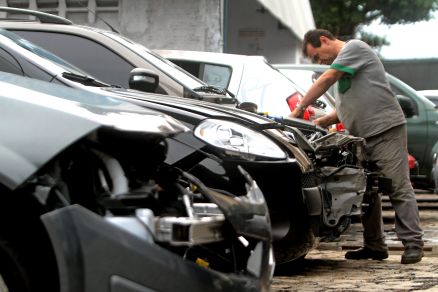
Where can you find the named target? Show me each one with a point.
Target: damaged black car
(88, 204)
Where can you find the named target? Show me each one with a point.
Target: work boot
(365, 253)
(412, 254)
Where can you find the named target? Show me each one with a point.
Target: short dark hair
(312, 37)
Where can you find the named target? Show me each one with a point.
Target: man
(367, 108)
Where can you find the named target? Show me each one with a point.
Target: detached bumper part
(189, 231)
(95, 255)
(339, 199)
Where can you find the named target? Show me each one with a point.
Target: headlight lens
(237, 139)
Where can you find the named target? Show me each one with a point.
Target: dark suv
(109, 56)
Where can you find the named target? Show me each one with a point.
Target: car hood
(212, 110)
(37, 124)
(207, 109)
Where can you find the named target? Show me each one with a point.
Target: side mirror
(407, 105)
(143, 80)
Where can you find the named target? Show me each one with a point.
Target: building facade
(273, 28)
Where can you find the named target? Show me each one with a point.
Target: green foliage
(344, 18)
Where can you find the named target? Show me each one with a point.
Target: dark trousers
(389, 151)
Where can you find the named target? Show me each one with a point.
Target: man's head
(321, 46)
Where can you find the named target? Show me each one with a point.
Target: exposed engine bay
(120, 176)
(336, 177)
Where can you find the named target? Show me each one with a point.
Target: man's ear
(323, 39)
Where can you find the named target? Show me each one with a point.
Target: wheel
(435, 176)
(25, 246)
(295, 245)
(13, 274)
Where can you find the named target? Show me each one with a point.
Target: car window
(14, 64)
(212, 74)
(216, 75)
(25, 44)
(107, 66)
(433, 99)
(193, 68)
(166, 66)
(9, 64)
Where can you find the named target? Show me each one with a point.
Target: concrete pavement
(326, 269)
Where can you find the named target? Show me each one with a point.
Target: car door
(417, 124)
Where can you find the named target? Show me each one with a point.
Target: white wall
(183, 24)
(254, 31)
(167, 24)
(173, 24)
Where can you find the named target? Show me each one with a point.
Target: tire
(294, 246)
(435, 177)
(27, 259)
(13, 274)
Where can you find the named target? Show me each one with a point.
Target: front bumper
(95, 254)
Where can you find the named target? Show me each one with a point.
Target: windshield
(164, 65)
(25, 44)
(269, 90)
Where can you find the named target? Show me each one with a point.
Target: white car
(249, 78)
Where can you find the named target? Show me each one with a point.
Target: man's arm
(321, 85)
(327, 120)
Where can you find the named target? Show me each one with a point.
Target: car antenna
(97, 16)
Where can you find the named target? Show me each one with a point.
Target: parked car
(249, 78)
(421, 116)
(283, 161)
(431, 94)
(86, 194)
(108, 56)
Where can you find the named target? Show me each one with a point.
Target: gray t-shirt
(366, 105)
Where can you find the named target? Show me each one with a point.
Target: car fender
(47, 131)
(37, 124)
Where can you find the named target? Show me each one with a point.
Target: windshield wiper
(213, 89)
(85, 80)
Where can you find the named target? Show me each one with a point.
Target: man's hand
(297, 113)
(322, 122)
(327, 120)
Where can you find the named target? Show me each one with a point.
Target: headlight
(237, 139)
